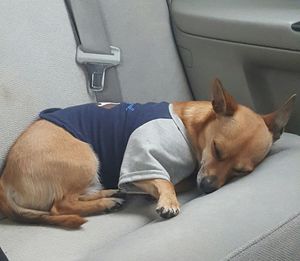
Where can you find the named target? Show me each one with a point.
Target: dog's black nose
(207, 184)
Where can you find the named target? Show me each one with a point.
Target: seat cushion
(209, 227)
(215, 226)
(34, 242)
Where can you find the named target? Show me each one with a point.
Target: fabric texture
(156, 150)
(157, 147)
(150, 68)
(281, 243)
(36, 243)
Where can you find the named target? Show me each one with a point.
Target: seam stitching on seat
(260, 238)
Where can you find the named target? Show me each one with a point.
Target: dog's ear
(223, 103)
(277, 120)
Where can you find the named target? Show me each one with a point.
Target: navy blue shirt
(106, 130)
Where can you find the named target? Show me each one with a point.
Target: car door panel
(249, 45)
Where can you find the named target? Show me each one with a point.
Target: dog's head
(236, 139)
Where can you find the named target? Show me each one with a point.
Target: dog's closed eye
(217, 153)
(241, 172)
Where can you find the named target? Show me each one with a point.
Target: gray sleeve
(155, 150)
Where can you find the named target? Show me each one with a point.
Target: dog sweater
(132, 141)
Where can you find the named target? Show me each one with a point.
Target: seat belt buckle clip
(97, 64)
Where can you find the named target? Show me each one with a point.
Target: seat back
(38, 69)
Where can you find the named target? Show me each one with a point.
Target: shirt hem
(142, 175)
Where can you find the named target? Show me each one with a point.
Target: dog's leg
(105, 193)
(164, 192)
(72, 205)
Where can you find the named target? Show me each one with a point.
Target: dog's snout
(208, 184)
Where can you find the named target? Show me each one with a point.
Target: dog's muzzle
(206, 184)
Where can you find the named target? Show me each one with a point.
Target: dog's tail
(10, 209)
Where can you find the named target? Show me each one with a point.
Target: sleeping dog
(56, 170)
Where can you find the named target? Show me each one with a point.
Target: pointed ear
(223, 103)
(277, 120)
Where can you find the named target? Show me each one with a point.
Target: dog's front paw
(114, 204)
(168, 208)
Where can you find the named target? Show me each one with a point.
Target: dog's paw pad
(167, 212)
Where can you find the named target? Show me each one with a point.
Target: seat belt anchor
(97, 64)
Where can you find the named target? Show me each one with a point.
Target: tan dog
(48, 171)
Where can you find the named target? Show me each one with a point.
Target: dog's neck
(195, 115)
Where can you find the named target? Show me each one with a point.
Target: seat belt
(94, 53)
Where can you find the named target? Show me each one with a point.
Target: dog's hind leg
(71, 205)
